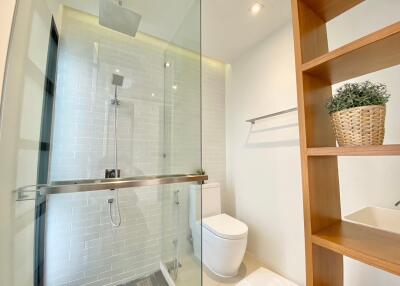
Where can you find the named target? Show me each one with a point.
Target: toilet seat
(225, 226)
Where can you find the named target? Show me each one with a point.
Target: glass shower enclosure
(100, 144)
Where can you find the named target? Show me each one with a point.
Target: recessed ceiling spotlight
(153, 94)
(175, 87)
(256, 8)
(167, 64)
(117, 70)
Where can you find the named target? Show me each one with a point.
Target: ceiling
(229, 29)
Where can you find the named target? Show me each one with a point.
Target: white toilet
(224, 237)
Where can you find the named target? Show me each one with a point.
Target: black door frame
(44, 154)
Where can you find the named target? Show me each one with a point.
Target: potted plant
(357, 112)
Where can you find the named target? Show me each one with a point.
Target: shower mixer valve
(110, 173)
(115, 101)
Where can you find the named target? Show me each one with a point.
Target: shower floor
(155, 279)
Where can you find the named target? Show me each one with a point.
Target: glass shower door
(181, 243)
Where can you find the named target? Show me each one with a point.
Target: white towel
(265, 277)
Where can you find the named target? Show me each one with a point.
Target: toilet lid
(225, 226)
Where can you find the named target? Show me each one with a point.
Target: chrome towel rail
(63, 187)
(253, 120)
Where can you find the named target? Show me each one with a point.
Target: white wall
(6, 14)
(263, 164)
(263, 161)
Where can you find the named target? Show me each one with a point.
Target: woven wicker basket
(360, 126)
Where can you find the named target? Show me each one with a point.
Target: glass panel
(85, 99)
(181, 252)
(181, 228)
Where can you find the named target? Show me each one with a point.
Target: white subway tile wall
(213, 122)
(82, 248)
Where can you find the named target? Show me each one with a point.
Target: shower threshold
(155, 279)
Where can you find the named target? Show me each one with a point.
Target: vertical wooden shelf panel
(322, 275)
(321, 196)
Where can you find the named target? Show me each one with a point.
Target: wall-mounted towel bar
(253, 120)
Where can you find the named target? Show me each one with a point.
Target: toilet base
(198, 248)
(219, 275)
(223, 257)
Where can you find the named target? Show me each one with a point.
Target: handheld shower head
(112, 15)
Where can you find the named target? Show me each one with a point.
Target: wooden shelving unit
(328, 238)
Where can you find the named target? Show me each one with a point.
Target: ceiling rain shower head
(112, 15)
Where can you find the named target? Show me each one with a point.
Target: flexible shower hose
(116, 223)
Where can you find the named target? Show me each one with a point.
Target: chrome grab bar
(63, 187)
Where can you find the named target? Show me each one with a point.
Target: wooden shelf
(329, 9)
(381, 150)
(374, 52)
(374, 247)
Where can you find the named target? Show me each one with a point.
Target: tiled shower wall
(213, 122)
(81, 246)
(84, 121)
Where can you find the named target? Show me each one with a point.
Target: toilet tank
(211, 199)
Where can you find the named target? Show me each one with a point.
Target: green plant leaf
(352, 95)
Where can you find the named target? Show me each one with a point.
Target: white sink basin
(375, 217)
